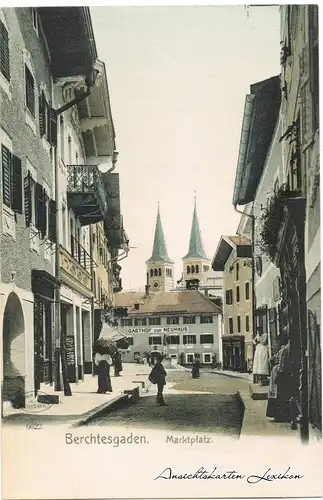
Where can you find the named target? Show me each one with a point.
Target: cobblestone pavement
(208, 404)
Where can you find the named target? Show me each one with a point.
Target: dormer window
(137, 307)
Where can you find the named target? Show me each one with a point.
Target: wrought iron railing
(80, 254)
(87, 179)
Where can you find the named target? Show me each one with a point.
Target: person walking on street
(158, 376)
(103, 361)
(117, 364)
(196, 367)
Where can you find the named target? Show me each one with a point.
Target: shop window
(206, 319)
(154, 321)
(155, 340)
(189, 320)
(4, 52)
(173, 320)
(230, 325)
(189, 339)
(206, 338)
(247, 290)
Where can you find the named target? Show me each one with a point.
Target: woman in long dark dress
(117, 364)
(103, 362)
(280, 385)
(196, 368)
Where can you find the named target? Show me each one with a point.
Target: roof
(260, 118)
(159, 253)
(226, 245)
(196, 248)
(184, 302)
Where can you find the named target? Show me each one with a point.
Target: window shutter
(52, 221)
(39, 206)
(28, 204)
(6, 159)
(42, 116)
(30, 91)
(4, 52)
(43, 215)
(52, 121)
(16, 184)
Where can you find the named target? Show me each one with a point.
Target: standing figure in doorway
(117, 364)
(196, 367)
(158, 376)
(261, 358)
(103, 361)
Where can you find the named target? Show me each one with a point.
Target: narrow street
(208, 404)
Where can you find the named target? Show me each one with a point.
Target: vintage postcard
(160, 261)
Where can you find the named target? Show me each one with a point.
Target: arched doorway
(14, 364)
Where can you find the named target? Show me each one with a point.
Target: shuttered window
(30, 91)
(4, 52)
(47, 121)
(28, 201)
(11, 180)
(52, 220)
(40, 209)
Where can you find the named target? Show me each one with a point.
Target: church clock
(156, 285)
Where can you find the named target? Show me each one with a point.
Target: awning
(110, 333)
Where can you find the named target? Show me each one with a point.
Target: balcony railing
(86, 193)
(80, 254)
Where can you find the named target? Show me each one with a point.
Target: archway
(14, 364)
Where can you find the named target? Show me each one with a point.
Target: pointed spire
(159, 253)
(196, 248)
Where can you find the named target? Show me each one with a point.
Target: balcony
(86, 194)
(76, 268)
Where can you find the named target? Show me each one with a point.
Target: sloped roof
(184, 302)
(159, 253)
(196, 248)
(224, 249)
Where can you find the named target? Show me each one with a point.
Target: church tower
(160, 272)
(195, 262)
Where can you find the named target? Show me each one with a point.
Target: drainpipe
(60, 354)
(253, 295)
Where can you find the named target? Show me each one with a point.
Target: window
(153, 321)
(35, 18)
(189, 339)
(137, 322)
(154, 340)
(206, 338)
(238, 293)
(207, 358)
(4, 52)
(159, 272)
(190, 358)
(155, 272)
(229, 297)
(230, 325)
(205, 269)
(247, 323)
(197, 269)
(173, 320)
(206, 319)
(188, 269)
(247, 290)
(126, 321)
(237, 272)
(11, 180)
(47, 120)
(144, 321)
(30, 91)
(151, 273)
(173, 339)
(238, 324)
(62, 138)
(193, 269)
(137, 307)
(189, 320)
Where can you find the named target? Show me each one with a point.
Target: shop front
(234, 353)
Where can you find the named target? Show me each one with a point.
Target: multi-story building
(233, 258)
(259, 172)
(178, 324)
(289, 223)
(55, 132)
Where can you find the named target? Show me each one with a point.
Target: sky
(178, 77)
